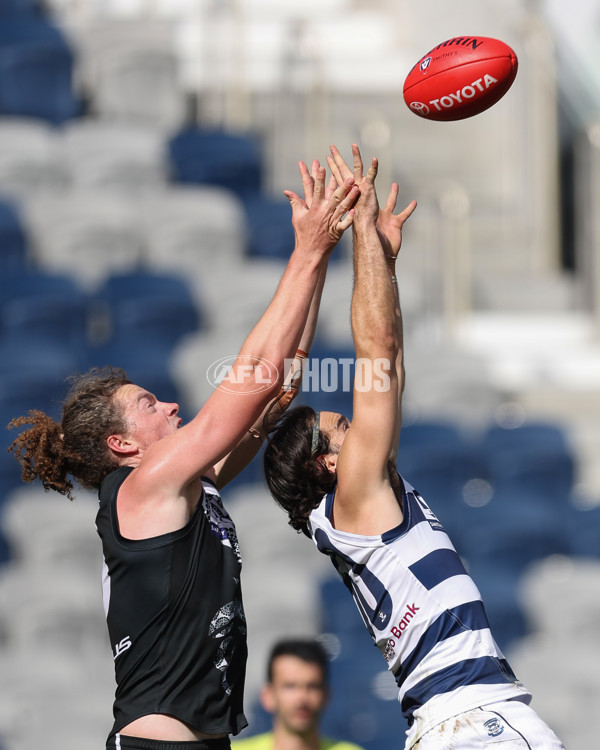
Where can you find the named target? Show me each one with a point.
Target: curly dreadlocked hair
(296, 480)
(50, 450)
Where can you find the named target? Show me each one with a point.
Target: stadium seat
(10, 8)
(217, 157)
(149, 308)
(45, 308)
(130, 70)
(533, 456)
(30, 160)
(514, 529)
(87, 234)
(36, 70)
(194, 230)
(271, 234)
(13, 239)
(113, 155)
(583, 529)
(499, 588)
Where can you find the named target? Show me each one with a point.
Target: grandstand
(144, 147)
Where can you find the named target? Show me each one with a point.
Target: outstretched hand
(389, 225)
(367, 206)
(321, 217)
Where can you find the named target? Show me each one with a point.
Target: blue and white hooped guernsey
(424, 613)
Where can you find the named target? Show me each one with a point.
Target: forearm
(278, 333)
(373, 314)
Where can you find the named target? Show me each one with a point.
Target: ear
(120, 446)
(267, 698)
(328, 461)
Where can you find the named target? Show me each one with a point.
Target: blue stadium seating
(46, 308)
(270, 227)
(216, 157)
(10, 8)
(13, 239)
(534, 456)
(36, 70)
(145, 307)
(499, 587)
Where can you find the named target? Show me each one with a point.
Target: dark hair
(50, 450)
(295, 478)
(308, 650)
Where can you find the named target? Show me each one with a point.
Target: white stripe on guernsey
(117, 741)
(416, 544)
(451, 651)
(454, 591)
(459, 590)
(421, 540)
(105, 587)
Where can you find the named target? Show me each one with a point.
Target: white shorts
(508, 725)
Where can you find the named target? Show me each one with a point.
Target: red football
(460, 78)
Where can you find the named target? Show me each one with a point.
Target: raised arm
(364, 500)
(248, 447)
(168, 467)
(389, 228)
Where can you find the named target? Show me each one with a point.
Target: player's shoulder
(329, 744)
(256, 742)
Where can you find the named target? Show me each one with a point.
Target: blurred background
(144, 147)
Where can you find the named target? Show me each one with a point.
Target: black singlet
(175, 617)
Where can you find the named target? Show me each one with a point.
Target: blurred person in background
(171, 574)
(339, 484)
(296, 693)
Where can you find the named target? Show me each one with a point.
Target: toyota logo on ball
(419, 108)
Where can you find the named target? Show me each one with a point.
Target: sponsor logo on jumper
(122, 646)
(461, 95)
(398, 630)
(494, 727)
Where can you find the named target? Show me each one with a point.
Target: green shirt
(265, 742)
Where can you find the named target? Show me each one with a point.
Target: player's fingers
(346, 194)
(346, 203)
(408, 211)
(319, 191)
(357, 162)
(314, 169)
(335, 171)
(294, 199)
(390, 204)
(341, 164)
(331, 188)
(344, 223)
(372, 171)
(307, 181)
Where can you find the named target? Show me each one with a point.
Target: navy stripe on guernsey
(481, 671)
(436, 567)
(469, 616)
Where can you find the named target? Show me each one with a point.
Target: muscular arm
(251, 442)
(365, 502)
(170, 468)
